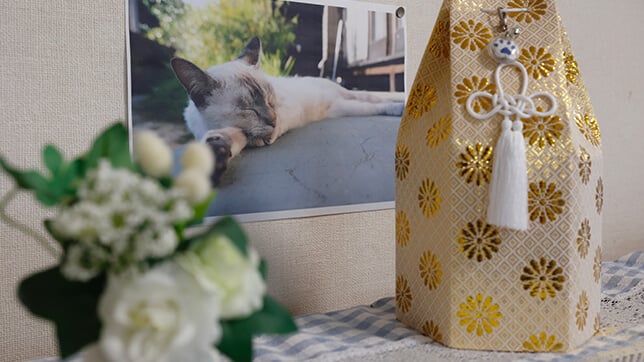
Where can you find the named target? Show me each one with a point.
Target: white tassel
(508, 204)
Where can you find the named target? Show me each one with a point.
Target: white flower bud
(194, 184)
(152, 154)
(198, 156)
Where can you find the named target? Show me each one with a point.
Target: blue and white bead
(503, 49)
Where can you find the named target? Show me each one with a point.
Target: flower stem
(4, 202)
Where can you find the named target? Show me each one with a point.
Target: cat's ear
(250, 54)
(197, 83)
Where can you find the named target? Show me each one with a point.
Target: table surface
(372, 333)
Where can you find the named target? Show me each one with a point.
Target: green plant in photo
(216, 33)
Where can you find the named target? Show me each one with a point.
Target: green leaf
(113, 145)
(236, 341)
(71, 306)
(201, 209)
(31, 180)
(231, 228)
(53, 159)
(263, 269)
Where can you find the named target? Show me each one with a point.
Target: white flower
(221, 268)
(194, 185)
(161, 315)
(152, 154)
(198, 156)
(120, 218)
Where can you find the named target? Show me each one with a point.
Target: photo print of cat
(235, 105)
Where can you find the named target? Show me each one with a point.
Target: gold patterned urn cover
(459, 280)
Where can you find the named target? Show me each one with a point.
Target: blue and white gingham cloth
(372, 333)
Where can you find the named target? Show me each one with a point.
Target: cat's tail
(394, 109)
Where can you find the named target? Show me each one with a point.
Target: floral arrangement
(135, 282)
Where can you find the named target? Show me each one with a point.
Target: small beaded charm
(503, 49)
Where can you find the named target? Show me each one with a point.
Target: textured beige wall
(62, 69)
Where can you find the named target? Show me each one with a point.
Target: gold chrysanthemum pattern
(471, 85)
(403, 230)
(431, 330)
(475, 164)
(471, 35)
(585, 165)
(438, 45)
(439, 131)
(571, 68)
(597, 324)
(599, 196)
(430, 270)
(589, 128)
(582, 311)
(403, 161)
(403, 294)
(542, 342)
(545, 202)
(542, 278)
(536, 9)
(542, 130)
(421, 99)
(479, 240)
(537, 61)
(429, 198)
(597, 265)
(479, 314)
(583, 238)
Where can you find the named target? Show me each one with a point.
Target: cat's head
(235, 93)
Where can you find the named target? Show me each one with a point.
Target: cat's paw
(221, 147)
(394, 109)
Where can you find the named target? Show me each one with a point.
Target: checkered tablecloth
(372, 333)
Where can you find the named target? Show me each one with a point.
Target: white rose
(161, 315)
(198, 156)
(194, 184)
(220, 267)
(152, 154)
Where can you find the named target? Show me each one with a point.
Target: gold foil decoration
(403, 161)
(543, 343)
(597, 265)
(479, 314)
(475, 164)
(582, 311)
(543, 278)
(572, 70)
(403, 294)
(471, 85)
(478, 240)
(583, 238)
(437, 45)
(421, 100)
(439, 131)
(545, 202)
(542, 130)
(431, 330)
(430, 270)
(589, 128)
(429, 198)
(471, 35)
(402, 229)
(537, 62)
(536, 9)
(599, 196)
(585, 165)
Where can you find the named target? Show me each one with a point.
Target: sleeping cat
(235, 105)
